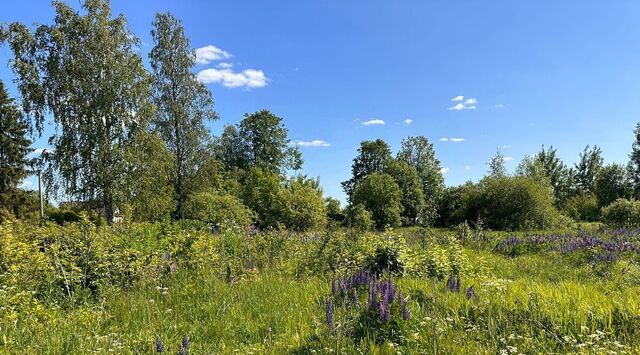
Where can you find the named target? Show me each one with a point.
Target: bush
(301, 204)
(511, 203)
(582, 208)
(217, 209)
(380, 195)
(622, 213)
(359, 218)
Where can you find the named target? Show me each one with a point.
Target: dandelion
(159, 345)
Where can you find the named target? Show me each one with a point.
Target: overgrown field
(179, 288)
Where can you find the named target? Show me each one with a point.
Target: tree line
(133, 139)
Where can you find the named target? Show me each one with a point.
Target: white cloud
(506, 146)
(444, 170)
(498, 106)
(250, 78)
(25, 184)
(454, 140)
(224, 65)
(462, 104)
(210, 53)
(38, 151)
(375, 121)
(467, 167)
(408, 121)
(507, 158)
(313, 143)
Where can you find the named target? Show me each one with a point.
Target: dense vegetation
(222, 245)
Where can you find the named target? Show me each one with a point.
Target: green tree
(84, 72)
(634, 163)
(546, 164)
(511, 203)
(496, 165)
(221, 210)
(260, 192)
(373, 157)
(587, 169)
(412, 200)
(359, 218)
(147, 188)
(184, 104)
(334, 211)
(231, 149)
(611, 184)
(266, 143)
(14, 146)
(381, 196)
(419, 153)
(301, 204)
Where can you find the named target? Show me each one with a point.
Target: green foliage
(373, 157)
(412, 200)
(146, 188)
(587, 169)
(546, 165)
(450, 207)
(83, 71)
(221, 210)
(260, 193)
(334, 212)
(582, 207)
(184, 104)
(611, 184)
(301, 204)
(357, 217)
(633, 167)
(419, 153)
(380, 195)
(622, 213)
(511, 203)
(14, 147)
(496, 165)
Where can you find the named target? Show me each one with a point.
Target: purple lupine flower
(373, 295)
(453, 284)
(471, 292)
(406, 314)
(184, 346)
(354, 297)
(159, 345)
(385, 313)
(329, 314)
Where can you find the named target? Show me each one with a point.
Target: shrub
(582, 207)
(218, 209)
(301, 204)
(511, 203)
(380, 195)
(359, 218)
(622, 213)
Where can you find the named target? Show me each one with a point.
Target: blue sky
(561, 73)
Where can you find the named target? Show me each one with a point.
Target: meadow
(182, 288)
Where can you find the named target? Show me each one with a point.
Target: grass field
(565, 292)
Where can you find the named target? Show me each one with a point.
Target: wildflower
(159, 345)
(329, 314)
(184, 346)
(471, 293)
(453, 284)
